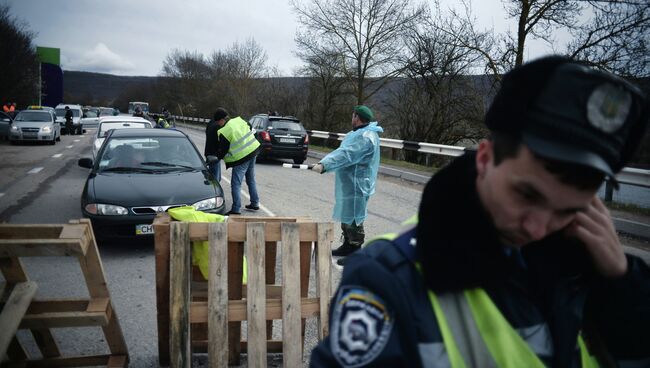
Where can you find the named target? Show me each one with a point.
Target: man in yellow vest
(237, 147)
(513, 261)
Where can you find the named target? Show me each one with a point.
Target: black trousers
(353, 233)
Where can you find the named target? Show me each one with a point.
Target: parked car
(116, 122)
(108, 111)
(90, 118)
(5, 125)
(77, 113)
(281, 137)
(139, 173)
(35, 125)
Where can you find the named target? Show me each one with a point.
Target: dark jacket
(546, 284)
(211, 139)
(68, 115)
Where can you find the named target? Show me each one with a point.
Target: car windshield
(104, 112)
(105, 127)
(149, 154)
(61, 113)
(286, 125)
(43, 116)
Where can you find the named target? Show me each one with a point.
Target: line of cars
(137, 172)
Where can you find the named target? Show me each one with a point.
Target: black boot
(345, 249)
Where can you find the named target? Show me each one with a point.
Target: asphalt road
(43, 184)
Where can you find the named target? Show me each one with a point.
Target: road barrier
(186, 305)
(22, 311)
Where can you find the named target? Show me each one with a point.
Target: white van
(77, 114)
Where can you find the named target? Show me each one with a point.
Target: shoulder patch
(361, 326)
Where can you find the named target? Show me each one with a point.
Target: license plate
(287, 140)
(30, 135)
(145, 229)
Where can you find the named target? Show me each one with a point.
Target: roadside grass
(384, 160)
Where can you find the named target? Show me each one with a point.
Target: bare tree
(439, 101)
(365, 34)
(18, 61)
(616, 38)
(187, 73)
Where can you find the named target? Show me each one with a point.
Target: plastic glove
(318, 168)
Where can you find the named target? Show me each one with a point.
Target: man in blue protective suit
(356, 163)
(513, 260)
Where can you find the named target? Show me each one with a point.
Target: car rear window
(105, 127)
(286, 125)
(61, 113)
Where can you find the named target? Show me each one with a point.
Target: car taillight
(265, 136)
(307, 139)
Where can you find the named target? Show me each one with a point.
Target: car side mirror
(212, 159)
(85, 162)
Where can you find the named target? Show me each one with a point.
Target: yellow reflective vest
(241, 138)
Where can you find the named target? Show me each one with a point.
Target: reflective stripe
(505, 345)
(232, 152)
(433, 355)
(538, 338)
(240, 140)
(455, 358)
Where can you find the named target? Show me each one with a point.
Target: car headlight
(46, 129)
(14, 128)
(106, 209)
(208, 204)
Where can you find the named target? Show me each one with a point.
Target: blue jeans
(246, 169)
(215, 169)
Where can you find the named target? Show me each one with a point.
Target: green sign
(49, 55)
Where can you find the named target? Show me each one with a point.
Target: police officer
(237, 146)
(511, 244)
(68, 121)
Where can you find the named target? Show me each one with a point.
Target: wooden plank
(29, 231)
(117, 361)
(237, 231)
(13, 312)
(98, 305)
(255, 255)
(237, 312)
(305, 270)
(235, 271)
(179, 301)
(41, 247)
(46, 342)
(161, 238)
(200, 290)
(218, 295)
(64, 319)
(13, 270)
(324, 275)
(291, 331)
(77, 231)
(272, 346)
(93, 272)
(58, 305)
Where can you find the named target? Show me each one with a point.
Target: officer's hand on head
(318, 168)
(595, 228)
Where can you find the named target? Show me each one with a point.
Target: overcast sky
(133, 37)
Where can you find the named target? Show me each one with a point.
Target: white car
(107, 123)
(77, 114)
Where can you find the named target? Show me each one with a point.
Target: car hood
(137, 189)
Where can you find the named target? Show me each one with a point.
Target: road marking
(69, 146)
(76, 140)
(35, 170)
(57, 155)
(266, 210)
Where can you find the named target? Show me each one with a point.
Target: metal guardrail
(628, 175)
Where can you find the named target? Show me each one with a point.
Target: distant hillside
(85, 86)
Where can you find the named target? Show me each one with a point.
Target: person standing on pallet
(237, 147)
(356, 163)
(513, 260)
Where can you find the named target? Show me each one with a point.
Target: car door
(57, 125)
(89, 119)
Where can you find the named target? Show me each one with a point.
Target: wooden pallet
(228, 302)
(41, 315)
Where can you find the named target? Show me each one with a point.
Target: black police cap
(568, 112)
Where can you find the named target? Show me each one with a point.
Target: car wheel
(298, 161)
